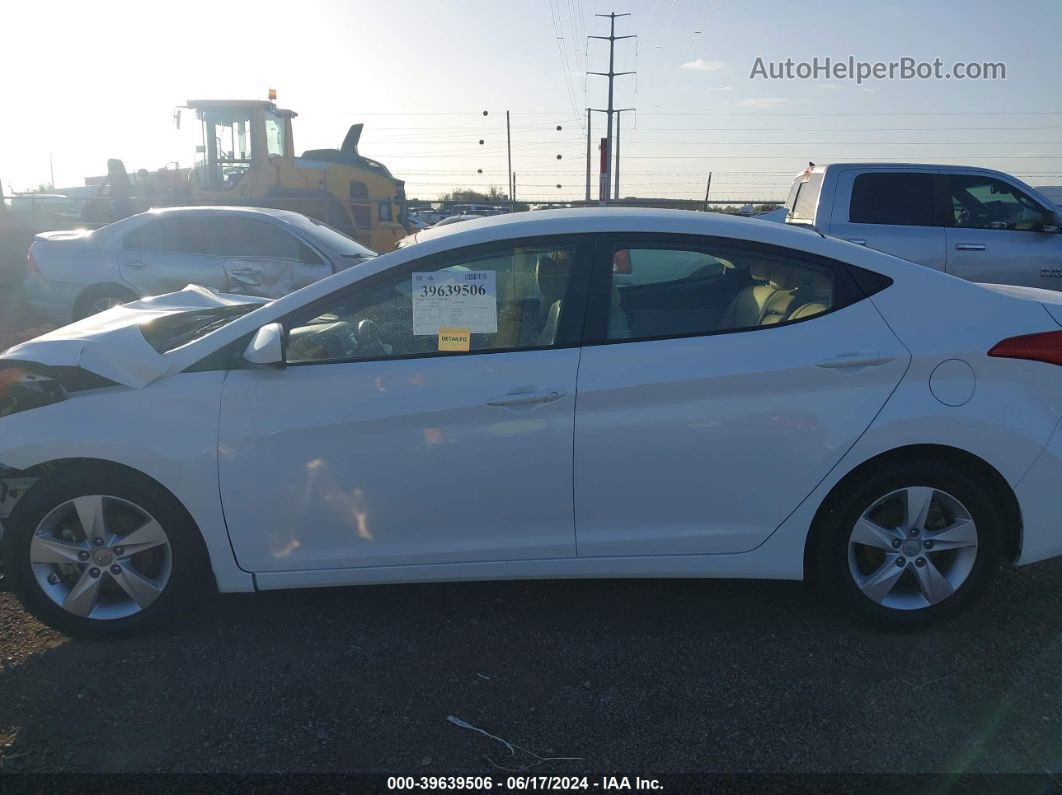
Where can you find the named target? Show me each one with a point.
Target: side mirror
(266, 349)
(1052, 223)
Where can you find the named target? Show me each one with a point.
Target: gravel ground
(643, 676)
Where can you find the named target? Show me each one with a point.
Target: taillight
(1044, 347)
(621, 261)
(31, 263)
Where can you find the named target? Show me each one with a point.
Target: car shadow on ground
(623, 675)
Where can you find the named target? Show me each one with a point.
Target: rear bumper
(51, 301)
(1039, 494)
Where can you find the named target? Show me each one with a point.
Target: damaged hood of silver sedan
(127, 344)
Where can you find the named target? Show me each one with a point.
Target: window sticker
(456, 299)
(455, 339)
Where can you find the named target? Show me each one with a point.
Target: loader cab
(238, 138)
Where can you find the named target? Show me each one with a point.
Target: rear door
(170, 252)
(994, 234)
(895, 211)
(711, 404)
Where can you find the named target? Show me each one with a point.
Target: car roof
(881, 165)
(591, 219)
(207, 209)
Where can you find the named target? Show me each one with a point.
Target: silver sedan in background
(246, 250)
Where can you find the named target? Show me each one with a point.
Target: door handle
(862, 359)
(135, 264)
(859, 241)
(970, 247)
(527, 398)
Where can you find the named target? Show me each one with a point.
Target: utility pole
(707, 188)
(509, 149)
(616, 180)
(588, 110)
(51, 168)
(611, 74)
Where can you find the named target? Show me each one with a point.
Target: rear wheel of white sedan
(99, 299)
(101, 553)
(913, 544)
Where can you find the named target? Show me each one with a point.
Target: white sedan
(572, 393)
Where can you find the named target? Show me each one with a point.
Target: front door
(995, 235)
(425, 416)
(715, 400)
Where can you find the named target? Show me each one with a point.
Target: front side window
(245, 237)
(508, 299)
(893, 198)
(659, 290)
(988, 203)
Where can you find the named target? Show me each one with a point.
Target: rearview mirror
(266, 349)
(1051, 223)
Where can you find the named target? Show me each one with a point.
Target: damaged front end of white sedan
(122, 347)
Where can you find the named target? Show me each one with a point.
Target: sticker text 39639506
(455, 299)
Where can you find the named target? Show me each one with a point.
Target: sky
(84, 82)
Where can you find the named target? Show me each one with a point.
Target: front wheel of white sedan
(101, 553)
(912, 544)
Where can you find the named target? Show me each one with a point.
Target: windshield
(172, 331)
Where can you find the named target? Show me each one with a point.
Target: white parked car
(571, 393)
(248, 250)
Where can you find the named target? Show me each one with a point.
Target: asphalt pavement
(633, 676)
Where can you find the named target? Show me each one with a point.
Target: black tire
(189, 571)
(836, 522)
(106, 292)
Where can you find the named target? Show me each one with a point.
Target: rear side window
(659, 290)
(146, 238)
(897, 199)
(804, 198)
(190, 235)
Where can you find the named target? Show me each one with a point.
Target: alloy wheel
(913, 548)
(103, 304)
(101, 557)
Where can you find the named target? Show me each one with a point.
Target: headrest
(552, 277)
(786, 276)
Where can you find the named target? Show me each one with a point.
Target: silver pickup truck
(975, 223)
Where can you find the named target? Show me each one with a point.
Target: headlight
(21, 390)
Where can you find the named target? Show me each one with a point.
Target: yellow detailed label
(454, 339)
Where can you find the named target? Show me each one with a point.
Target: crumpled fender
(110, 344)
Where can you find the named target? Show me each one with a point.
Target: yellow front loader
(247, 156)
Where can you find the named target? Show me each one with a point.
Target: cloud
(716, 88)
(701, 65)
(760, 102)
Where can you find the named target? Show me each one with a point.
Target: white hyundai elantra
(585, 393)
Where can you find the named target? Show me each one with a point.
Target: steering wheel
(340, 342)
(370, 339)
